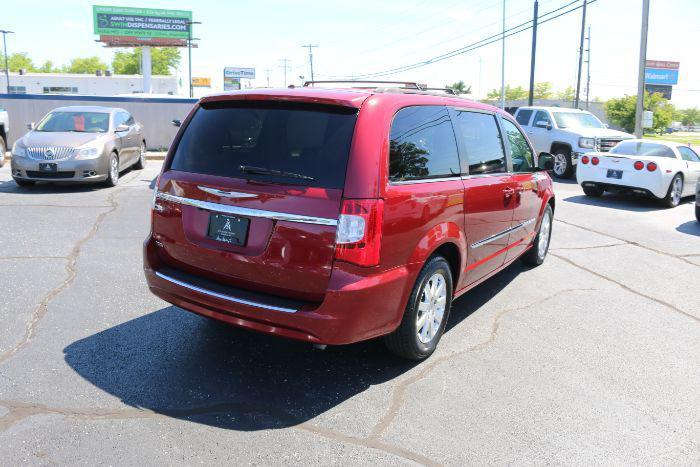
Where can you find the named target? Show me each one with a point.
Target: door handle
(508, 192)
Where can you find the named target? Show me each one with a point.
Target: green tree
(621, 111)
(543, 90)
(88, 65)
(690, 116)
(48, 67)
(567, 94)
(459, 87)
(163, 61)
(17, 61)
(512, 94)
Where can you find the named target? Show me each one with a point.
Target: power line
(285, 67)
(478, 44)
(311, 57)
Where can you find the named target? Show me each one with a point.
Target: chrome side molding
(248, 212)
(501, 234)
(224, 296)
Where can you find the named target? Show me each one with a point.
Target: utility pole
(588, 70)
(189, 52)
(533, 54)
(285, 66)
(638, 130)
(580, 55)
(311, 57)
(481, 60)
(503, 59)
(267, 72)
(7, 68)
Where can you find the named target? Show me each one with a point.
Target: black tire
(594, 191)
(3, 150)
(697, 212)
(112, 178)
(563, 166)
(670, 200)
(404, 341)
(23, 183)
(536, 255)
(141, 161)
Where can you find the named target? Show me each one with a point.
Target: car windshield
(282, 142)
(639, 148)
(577, 120)
(82, 122)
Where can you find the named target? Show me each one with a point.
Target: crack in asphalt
(627, 288)
(587, 247)
(628, 242)
(41, 308)
(398, 395)
(18, 411)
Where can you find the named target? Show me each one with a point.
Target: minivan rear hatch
(252, 192)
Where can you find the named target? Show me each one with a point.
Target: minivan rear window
(290, 143)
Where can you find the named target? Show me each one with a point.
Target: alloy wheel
(677, 190)
(431, 308)
(114, 169)
(545, 230)
(559, 164)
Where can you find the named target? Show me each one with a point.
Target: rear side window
(688, 154)
(520, 152)
(422, 144)
(638, 148)
(524, 116)
(482, 142)
(304, 144)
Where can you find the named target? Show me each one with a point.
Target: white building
(84, 84)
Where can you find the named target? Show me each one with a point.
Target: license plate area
(48, 167)
(232, 230)
(616, 174)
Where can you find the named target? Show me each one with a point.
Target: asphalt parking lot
(593, 357)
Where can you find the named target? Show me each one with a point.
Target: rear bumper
(641, 181)
(71, 170)
(355, 307)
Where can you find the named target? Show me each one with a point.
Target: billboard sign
(201, 82)
(236, 72)
(661, 72)
(141, 22)
(232, 84)
(663, 89)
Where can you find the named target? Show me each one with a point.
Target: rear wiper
(263, 171)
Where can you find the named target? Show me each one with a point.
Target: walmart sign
(661, 72)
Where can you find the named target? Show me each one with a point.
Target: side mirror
(121, 128)
(176, 123)
(543, 124)
(545, 161)
(30, 126)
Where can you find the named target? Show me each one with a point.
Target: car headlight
(18, 151)
(90, 151)
(586, 143)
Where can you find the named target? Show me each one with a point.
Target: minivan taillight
(359, 235)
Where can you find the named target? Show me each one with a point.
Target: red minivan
(338, 215)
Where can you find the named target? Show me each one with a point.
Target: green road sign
(141, 22)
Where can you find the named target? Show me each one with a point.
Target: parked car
(4, 134)
(79, 144)
(664, 170)
(697, 201)
(333, 216)
(567, 134)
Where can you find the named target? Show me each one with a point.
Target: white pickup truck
(4, 132)
(566, 134)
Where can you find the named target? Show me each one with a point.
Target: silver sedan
(79, 144)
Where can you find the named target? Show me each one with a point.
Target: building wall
(89, 85)
(155, 113)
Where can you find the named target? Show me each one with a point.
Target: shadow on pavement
(181, 365)
(621, 201)
(690, 228)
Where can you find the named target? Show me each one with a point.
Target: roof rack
(406, 84)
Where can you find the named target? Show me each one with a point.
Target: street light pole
(503, 59)
(580, 56)
(7, 68)
(638, 129)
(533, 55)
(189, 52)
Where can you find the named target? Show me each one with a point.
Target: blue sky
(365, 36)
